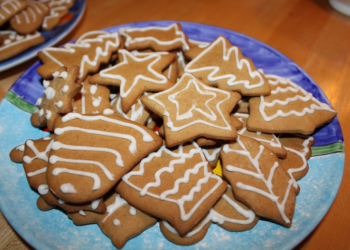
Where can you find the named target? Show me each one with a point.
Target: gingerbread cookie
(196, 47)
(58, 9)
(289, 109)
(155, 38)
(13, 43)
(212, 154)
(89, 52)
(31, 18)
(135, 76)
(9, 8)
(92, 99)
(223, 65)
(192, 109)
(168, 184)
(258, 181)
(57, 98)
(92, 152)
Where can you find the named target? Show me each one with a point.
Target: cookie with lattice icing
(156, 38)
(92, 152)
(176, 185)
(35, 159)
(30, 19)
(14, 43)
(191, 109)
(92, 98)
(120, 223)
(288, 109)
(58, 9)
(222, 65)
(89, 51)
(9, 8)
(57, 98)
(136, 75)
(258, 181)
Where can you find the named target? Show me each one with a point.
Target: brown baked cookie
(92, 99)
(192, 237)
(30, 19)
(222, 65)
(288, 109)
(58, 9)
(242, 106)
(17, 153)
(121, 222)
(231, 214)
(57, 98)
(212, 154)
(9, 8)
(155, 38)
(298, 142)
(258, 181)
(270, 141)
(92, 152)
(138, 113)
(90, 51)
(191, 109)
(196, 47)
(42, 205)
(35, 158)
(13, 43)
(169, 184)
(136, 75)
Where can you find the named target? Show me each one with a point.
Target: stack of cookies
(22, 20)
(139, 119)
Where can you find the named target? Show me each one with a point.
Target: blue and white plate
(51, 37)
(53, 230)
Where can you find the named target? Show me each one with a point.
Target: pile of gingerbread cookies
(21, 22)
(140, 118)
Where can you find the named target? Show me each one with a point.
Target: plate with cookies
(27, 27)
(167, 135)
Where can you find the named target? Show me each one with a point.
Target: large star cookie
(289, 109)
(223, 65)
(135, 75)
(191, 109)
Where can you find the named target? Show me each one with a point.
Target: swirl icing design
(256, 173)
(180, 157)
(292, 93)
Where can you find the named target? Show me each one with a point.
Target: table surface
(309, 32)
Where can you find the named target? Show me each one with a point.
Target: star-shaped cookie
(191, 109)
(135, 75)
(221, 64)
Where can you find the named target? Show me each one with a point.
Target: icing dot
(64, 74)
(95, 203)
(132, 211)
(65, 88)
(7, 41)
(60, 201)
(41, 112)
(20, 147)
(56, 74)
(50, 93)
(12, 36)
(38, 102)
(81, 212)
(59, 104)
(108, 111)
(43, 189)
(93, 89)
(68, 188)
(46, 83)
(116, 222)
(48, 114)
(96, 101)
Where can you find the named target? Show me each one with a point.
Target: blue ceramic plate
(51, 37)
(53, 230)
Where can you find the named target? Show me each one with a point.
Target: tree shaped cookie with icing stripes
(136, 75)
(92, 99)
(57, 98)
(258, 181)
(92, 152)
(156, 38)
(89, 52)
(191, 109)
(175, 185)
(31, 18)
(288, 109)
(9, 8)
(120, 223)
(35, 159)
(222, 65)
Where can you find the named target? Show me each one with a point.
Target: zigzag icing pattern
(180, 158)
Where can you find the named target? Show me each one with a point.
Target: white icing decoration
(46, 83)
(20, 147)
(93, 89)
(43, 189)
(82, 213)
(118, 202)
(38, 155)
(50, 93)
(116, 222)
(64, 74)
(59, 104)
(132, 211)
(68, 188)
(65, 88)
(212, 156)
(95, 203)
(108, 111)
(48, 114)
(60, 201)
(96, 101)
(24, 39)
